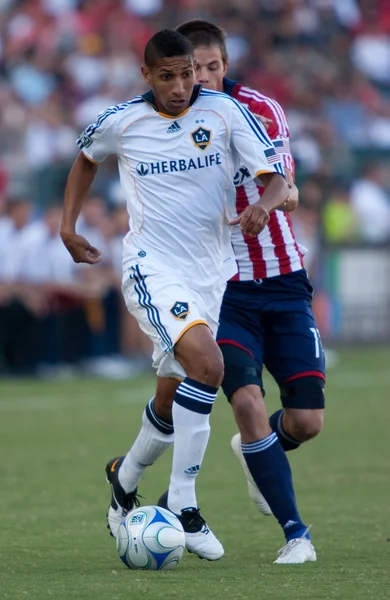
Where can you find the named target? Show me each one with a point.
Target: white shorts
(165, 307)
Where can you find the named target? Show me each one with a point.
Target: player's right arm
(79, 182)
(96, 142)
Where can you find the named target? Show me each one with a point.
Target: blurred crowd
(63, 61)
(58, 318)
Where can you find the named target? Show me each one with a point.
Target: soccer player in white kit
(177, 149)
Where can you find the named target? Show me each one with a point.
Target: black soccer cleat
(200, 540)
(121, 502)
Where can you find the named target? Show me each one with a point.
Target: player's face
(210, 67)
(172, 81)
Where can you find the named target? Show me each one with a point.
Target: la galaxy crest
(180, 310)
(201, 137)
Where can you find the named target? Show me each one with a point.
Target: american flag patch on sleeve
(282, 146)
(271, 155)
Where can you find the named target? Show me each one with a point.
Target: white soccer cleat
(200, 540)
(254, 493)
(203, 543)
(114, 519)
(296, 552)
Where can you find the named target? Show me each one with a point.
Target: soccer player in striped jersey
(177, 149)
(266, 319)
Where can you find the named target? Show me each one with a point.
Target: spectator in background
(62, 325)
(339, 219)
(21, 302)
(371, 203)
(57, 317)
(62, 61)
(370, 49)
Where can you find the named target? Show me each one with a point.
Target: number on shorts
(317, 341)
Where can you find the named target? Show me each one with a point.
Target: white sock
(191, 415)
(153, 439)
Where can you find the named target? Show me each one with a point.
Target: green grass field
(56, 437)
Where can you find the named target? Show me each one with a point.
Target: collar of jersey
(228, 86)
(149, 98)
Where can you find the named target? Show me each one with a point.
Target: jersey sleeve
(278, 129)
(100, 139)
(252, 143)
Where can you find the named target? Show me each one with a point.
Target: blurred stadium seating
(63, 61)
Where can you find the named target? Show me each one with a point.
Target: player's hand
(266, 122)
(252, 220)
(80, 249)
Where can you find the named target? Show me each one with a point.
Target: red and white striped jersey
(275, 251)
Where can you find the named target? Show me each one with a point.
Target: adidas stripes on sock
(191, 413)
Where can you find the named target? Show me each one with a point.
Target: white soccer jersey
(177, 175)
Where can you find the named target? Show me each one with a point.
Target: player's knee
(213, 370)
(208, 368)
(304, 402)
(304, 424)
(303, 393)
(200, 356)
(241, 370)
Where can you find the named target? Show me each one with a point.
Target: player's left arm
(293, 197)
(256, 151)
(256, 216)
(272, 116)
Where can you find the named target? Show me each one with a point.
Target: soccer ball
(150, 538)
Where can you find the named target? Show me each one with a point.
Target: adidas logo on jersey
(192, 471)
(174, 128)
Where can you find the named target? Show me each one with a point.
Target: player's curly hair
(204, 33)
(164, 44)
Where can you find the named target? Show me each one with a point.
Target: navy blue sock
(271, 471)
(286, 440)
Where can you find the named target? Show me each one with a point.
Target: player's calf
(201, 358)
(253, 491)
(124, 473)
(250, 413)
(164, 396)
(302, 415)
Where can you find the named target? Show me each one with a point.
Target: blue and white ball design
(150, 538)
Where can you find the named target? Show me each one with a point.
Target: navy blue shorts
(272, 319)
